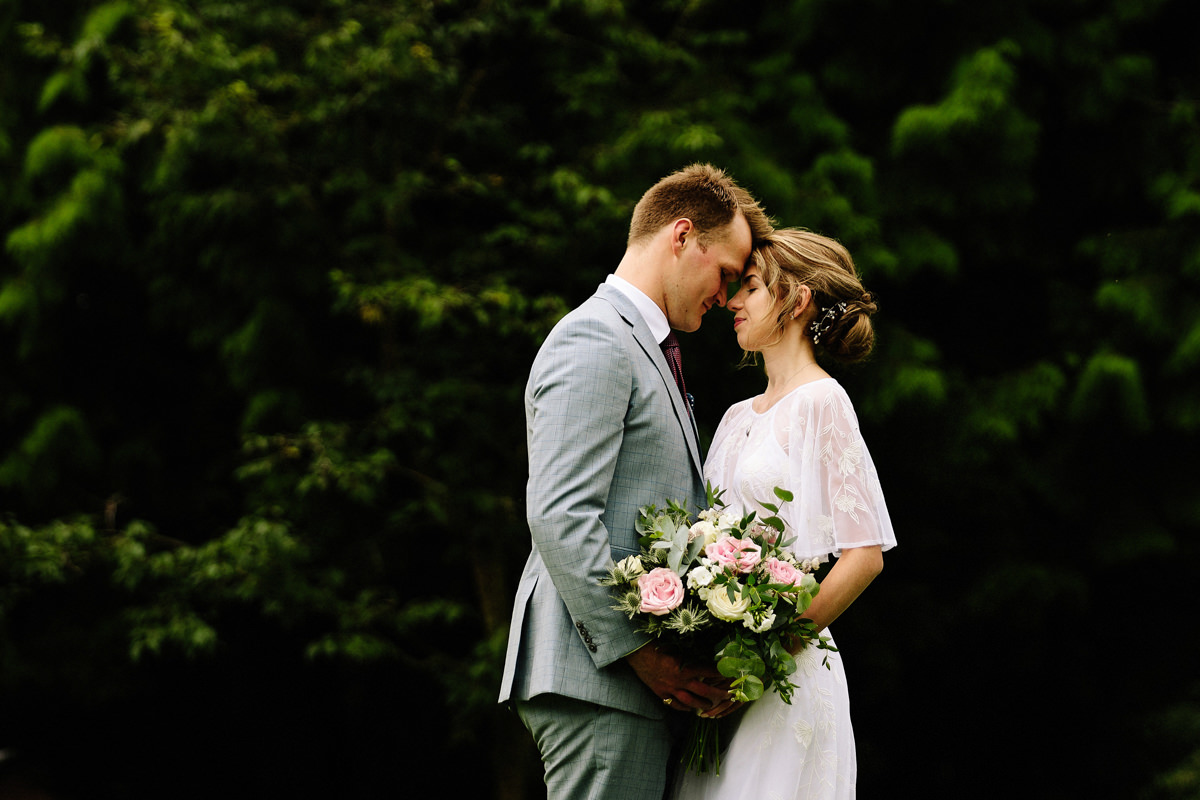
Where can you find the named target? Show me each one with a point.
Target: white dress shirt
(655, 319)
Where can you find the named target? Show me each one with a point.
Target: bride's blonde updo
(792, 257)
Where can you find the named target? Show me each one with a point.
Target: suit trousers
(594, 752)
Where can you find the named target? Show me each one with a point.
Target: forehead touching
(734, 248)
(731, 271)
(751, 276)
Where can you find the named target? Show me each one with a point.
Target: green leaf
(734, 667)
(750, 688)
(775, 522)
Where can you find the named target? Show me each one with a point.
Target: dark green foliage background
(273, 274)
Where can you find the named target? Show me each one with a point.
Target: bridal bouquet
(723, 588)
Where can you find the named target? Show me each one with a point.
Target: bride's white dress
(808, 443)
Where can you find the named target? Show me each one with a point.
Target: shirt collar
(654, 317)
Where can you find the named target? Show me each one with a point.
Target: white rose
(724, 608)
(703, 530)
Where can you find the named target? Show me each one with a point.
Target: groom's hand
(683, 687)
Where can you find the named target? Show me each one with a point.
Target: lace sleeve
(839, 503)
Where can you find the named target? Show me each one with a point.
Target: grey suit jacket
(608, 432)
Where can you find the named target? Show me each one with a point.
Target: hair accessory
(822, 325)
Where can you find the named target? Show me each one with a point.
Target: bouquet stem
(702, 749)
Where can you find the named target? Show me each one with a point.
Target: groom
(610, 430)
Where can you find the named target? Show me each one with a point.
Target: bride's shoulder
(828, 389)
(818, 391)
(738, 409)
(817, 397)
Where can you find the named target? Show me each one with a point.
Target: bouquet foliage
(720, 588)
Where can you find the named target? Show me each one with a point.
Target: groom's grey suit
(608, 432)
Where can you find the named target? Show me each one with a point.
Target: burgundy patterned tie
(670, 348)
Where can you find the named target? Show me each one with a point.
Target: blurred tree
(273, 275)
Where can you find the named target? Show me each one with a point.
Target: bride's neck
(788, 364)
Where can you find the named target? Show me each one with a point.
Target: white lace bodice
(808, 443)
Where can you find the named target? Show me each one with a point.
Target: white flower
(717, 524)
(704, 530)
(724, 608)
(727, 521)
(631, 566)
(763, 625)
(699, 577)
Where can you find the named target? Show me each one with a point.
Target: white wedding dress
(809, 444)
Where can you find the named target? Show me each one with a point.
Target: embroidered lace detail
(809, 443)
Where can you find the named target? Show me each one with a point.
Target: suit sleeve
(578, 395)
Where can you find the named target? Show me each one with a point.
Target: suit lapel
(652, 350)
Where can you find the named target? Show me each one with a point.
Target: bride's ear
(802, 302)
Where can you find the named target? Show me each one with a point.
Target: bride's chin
(745, 342)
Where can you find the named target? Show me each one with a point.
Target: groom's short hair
(705, 195)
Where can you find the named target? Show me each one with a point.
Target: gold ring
(667, 701)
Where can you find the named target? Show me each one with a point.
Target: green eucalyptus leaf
(752, 688)
(733, 667)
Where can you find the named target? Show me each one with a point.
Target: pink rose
(661, 591)
(783, 572)
(741, 554)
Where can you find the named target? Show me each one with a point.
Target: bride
(800, 293)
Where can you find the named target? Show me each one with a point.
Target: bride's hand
(728, 706)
